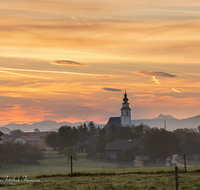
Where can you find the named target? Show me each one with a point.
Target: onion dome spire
(125, 98)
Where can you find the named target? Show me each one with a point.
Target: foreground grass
(53, 173)
(115, 179)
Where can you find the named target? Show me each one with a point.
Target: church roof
(114, 121)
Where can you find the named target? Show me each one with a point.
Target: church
(125, 119)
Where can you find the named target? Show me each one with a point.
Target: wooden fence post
(185, 163)
(176, 177)
(71, 166)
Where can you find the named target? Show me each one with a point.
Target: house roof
(27, 136)
(33, 136)
(8, 138)
(114, 121)
(121, 144)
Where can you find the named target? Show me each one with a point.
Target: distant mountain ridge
(171, 122)
(42, 126)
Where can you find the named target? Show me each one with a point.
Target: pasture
(54, 173)
(53, 162)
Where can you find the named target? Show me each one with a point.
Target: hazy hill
(44, 125)
(5, 130)
(171, 122)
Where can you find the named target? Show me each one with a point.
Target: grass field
(112, 179)
(54, 174)
(53, 162)
(190, 162)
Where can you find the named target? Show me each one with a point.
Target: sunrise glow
(72, 60)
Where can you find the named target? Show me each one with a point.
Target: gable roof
(27, 136)
(114, 121)
(121, 144)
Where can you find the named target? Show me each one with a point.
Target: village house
(89, 144)
(30, 138)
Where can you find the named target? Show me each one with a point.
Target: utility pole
(165, 123)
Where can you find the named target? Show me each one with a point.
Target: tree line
(68, 136)
(158, 143)
(16, 153)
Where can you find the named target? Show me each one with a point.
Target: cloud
(112, 89)
(7, 107)
(155, 80)
(66, 62)
(23, 75)
(49, 71)
(176, 90)
(104, 77)
(155, 74)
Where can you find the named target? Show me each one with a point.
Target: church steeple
(125, 112)
(125, 98)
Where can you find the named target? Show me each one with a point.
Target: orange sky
(72, 60)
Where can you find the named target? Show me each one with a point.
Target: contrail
(155, 80)
(60, 72)
(176, 90)
(24, 75)
(74, 19)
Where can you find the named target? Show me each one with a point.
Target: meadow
(89, 175)
(53, 162)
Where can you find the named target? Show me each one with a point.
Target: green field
(54, 173)
(190, 162)
(53, 162)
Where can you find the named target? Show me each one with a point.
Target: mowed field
(92, 176)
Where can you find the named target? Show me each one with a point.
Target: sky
(65, 60)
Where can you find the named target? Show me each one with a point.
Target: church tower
(125, 112)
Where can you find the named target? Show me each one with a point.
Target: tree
(161, 144)
(189, 140)
(101, 140)
(51, 140)
(16, 153)
(92, 129)
(128, 154)
(36, 130)
(68, 152)
(83, 132)
(17, 132)
(1, 135)
(67, 136)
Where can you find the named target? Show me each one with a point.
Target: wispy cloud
(74, 19)
(24, 75)
(49, 71)
(66, 62)
(112, 89)
(176, 90)
(155, 74)
(155, 80)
